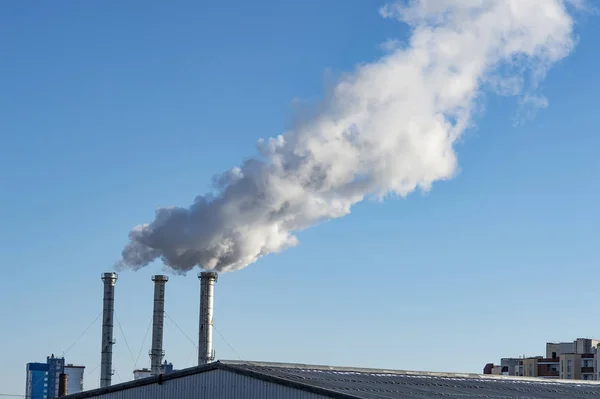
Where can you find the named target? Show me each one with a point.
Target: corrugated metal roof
(343, 382)
(379, 384)
(209, 384)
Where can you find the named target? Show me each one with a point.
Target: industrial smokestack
(207, 283)
(63, 383)
(109, 280)
(156, 353)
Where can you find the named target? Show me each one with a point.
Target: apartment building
(577, 360)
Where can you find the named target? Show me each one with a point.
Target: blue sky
(111, 110)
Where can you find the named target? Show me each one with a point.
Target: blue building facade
(37, 381)
(166, 368)
(42, 378)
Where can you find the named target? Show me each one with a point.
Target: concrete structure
(207, 283)
(250, 380)
(541, 367)
(141, 373)
(510, 366)
(570, 366)
(577, 366)
(106, 371)
(580, 345)
(158, 316)
(75, 381)
(585, 345)
(553, 349)
(63, 381)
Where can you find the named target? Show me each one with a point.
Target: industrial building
(249, 380)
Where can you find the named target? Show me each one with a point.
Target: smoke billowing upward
(388, 128)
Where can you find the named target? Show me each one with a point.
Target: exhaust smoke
(386, 129)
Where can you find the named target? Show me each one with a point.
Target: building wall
(597, 362)
(570, 366)
(214, 384)
(36, 384)
(549, 368)
(75, 378)
(567, 347)
(530, 367)
(511, 363)
(141, 373)
(552, 349)
(56, 366)
(585, 345)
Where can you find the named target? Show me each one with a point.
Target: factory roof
(359, 383)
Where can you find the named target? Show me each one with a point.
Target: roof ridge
(483, 377)
(238, 368)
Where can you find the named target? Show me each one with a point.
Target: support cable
(143, 342)
(125, 339)
(177, 325)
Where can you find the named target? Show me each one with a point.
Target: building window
(569, 366)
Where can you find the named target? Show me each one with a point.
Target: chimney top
(210, 275)
(160, 277)
(110, 276)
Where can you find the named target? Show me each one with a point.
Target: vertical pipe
(205, 351)
(63, 381)
(156, 353)
(109, 280)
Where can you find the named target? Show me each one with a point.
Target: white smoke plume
(388, 128)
